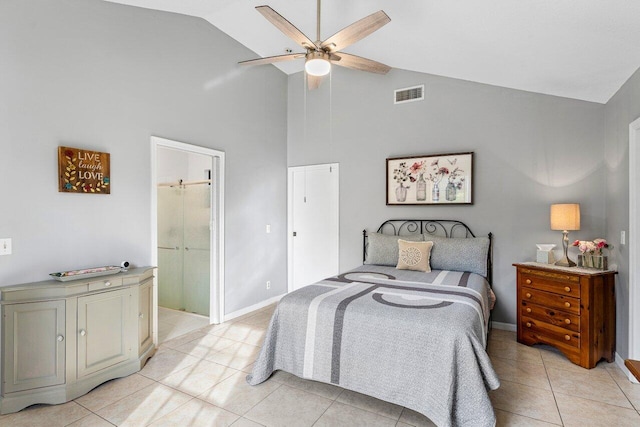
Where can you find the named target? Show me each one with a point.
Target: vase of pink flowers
(591, 253)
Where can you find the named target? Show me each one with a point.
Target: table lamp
(565, 217)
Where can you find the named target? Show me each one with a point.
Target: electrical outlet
(623, 236)
(268, 228)
(5, 246)
(268, 284)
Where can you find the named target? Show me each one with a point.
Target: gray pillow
(458, 254)
(383, 248)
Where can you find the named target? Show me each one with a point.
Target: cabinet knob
(567, 321)
(141, 315)
(107, 284)
(528, 295)
(567, 304)
(60, 338)
(567, 289)
(528, 324)
(528, 281)
(83, 332)
(567, 337)
(528, 309)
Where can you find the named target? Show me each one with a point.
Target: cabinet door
(145, 315)
(103, 321)
(34, 348)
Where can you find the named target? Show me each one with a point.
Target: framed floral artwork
(440, 179)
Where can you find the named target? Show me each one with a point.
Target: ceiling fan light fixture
(317, 64)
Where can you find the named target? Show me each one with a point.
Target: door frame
(216, 280)
(634, 235)
(290, 171)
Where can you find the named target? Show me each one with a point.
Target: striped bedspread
(410, 338)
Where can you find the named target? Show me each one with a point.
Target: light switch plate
(5, 246)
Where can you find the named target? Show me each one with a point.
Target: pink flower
(415, 168)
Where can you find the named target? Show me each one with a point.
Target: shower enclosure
(184, 215)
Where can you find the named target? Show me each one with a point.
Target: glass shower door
(170, 247)
(197, 251)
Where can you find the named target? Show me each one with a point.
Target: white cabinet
(60, 340)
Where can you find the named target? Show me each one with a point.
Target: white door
(313, 224)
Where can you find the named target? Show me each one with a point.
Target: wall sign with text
(83, 171)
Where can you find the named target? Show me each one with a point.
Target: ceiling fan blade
(272, 59)
(356, 31)
(362, 64)
(313, 82)
(286, 27)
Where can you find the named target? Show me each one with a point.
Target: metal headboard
(436, 227)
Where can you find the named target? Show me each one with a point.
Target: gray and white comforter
(410, 338)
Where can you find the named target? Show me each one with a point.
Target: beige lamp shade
(565, 216)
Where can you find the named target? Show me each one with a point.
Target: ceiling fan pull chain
(318, 39)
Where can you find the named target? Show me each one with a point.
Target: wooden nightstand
(571, 309)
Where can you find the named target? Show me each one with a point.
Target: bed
(413, 338)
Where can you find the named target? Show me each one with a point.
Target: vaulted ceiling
(581, 49)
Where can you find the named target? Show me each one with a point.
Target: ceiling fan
(321, 54)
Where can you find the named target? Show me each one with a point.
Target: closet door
(313, 224)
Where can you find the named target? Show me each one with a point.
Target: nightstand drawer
(547, 299)
(550, 333)
(558, 318)
(570, 285)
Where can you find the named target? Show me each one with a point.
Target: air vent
(408, 94)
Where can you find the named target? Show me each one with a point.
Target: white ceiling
(582, 49)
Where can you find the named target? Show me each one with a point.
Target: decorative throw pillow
(414, 255)
(382, 249)
(459, 254)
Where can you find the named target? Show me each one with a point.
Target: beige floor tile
(502, 335)
(631, 390)
(182, 339)
(321, 389)
(205, 346)
(165, 362)
(45, 415)
(341, 415)
(197, 413)
(514, 350)
(507, 419)
(518, 371)
(370, 404)
(415, 419)
(261, 319)
(242, 332)
(236, 395)
(401, 424)
(280, 376)
(236, 356)
(244, 422)
(91, 420)
(588, 385)
(580, 412)
(144, 406)
(553, 358)
(199, 377)
(112, 391)
(528, 401)
(288, 406)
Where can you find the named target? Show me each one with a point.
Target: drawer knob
(107, 284)
(528, 324)
(83, 332)
(567, 304)
(528, 295)
(528, 309)
(567, 289)
(567, 337)
(528, 281)
(60, 338)
(567, 321)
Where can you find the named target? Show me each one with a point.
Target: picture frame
(435, 179)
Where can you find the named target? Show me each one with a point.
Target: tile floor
(173, 323)
(198, 379)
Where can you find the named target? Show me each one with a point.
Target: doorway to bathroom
(187, 234)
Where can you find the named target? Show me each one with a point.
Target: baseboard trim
(505, 326)
(620, 363)
(254, 307)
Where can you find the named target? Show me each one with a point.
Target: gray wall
(531, 150)
(622, 109)
(101, 76)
